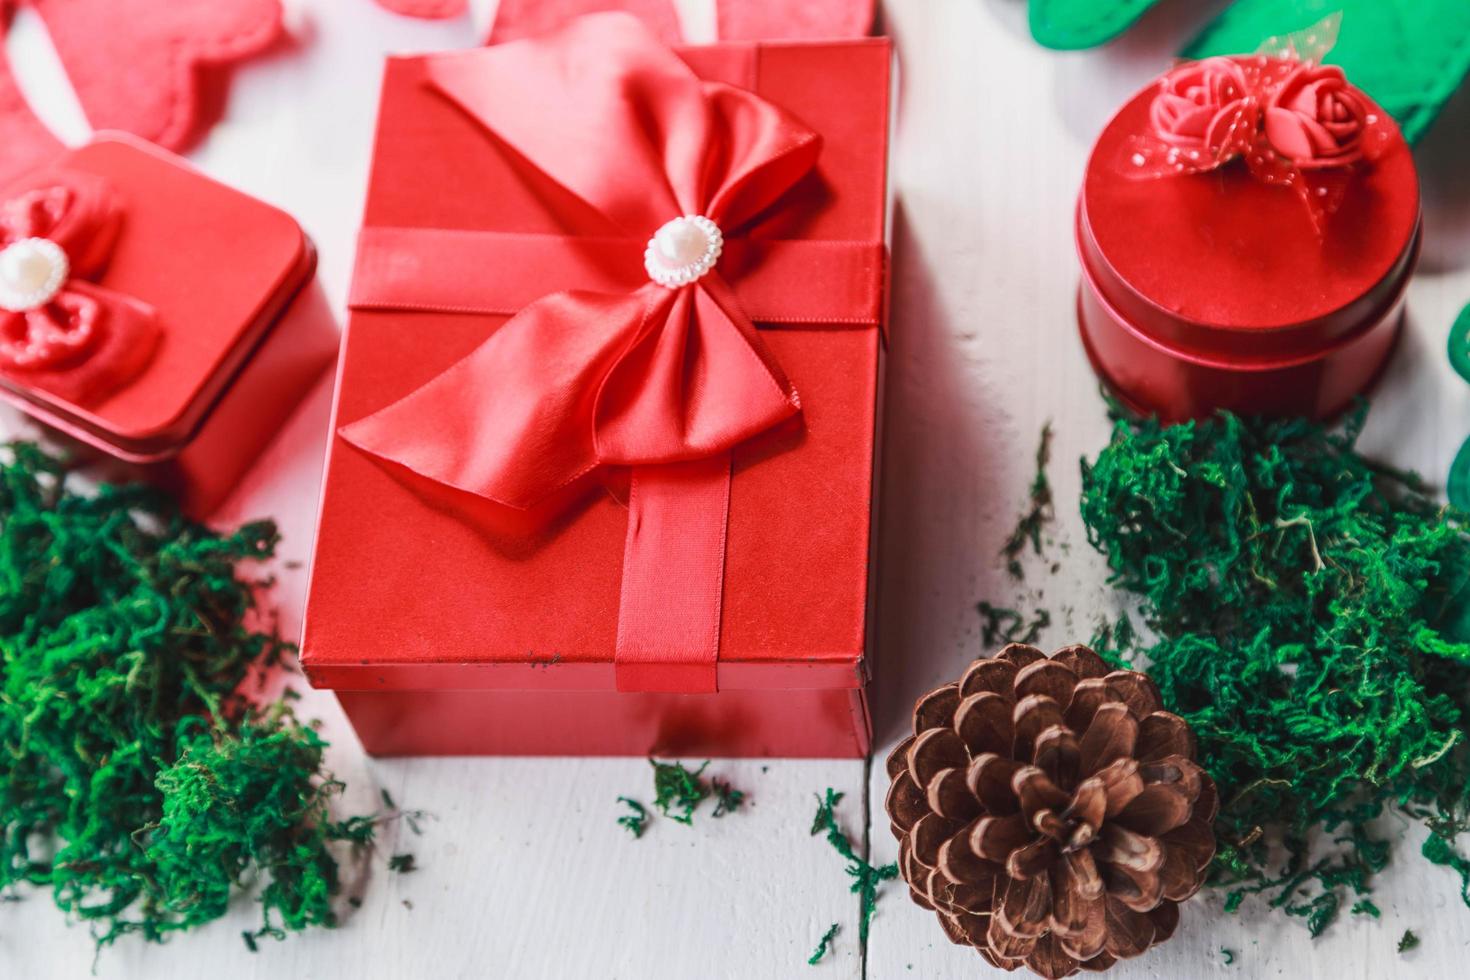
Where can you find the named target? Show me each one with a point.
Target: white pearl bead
(24, 269)
(683, 251)
(680, 242)
(32, 272)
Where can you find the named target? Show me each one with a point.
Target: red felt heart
(526, 18)
(741, 20)
(136, 65)
(431, 9)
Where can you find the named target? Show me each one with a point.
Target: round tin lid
(1221, 264)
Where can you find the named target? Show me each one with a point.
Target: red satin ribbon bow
(663, 380)
(60, 333)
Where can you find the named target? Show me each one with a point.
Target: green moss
(1038, 512)
(137, 784)
(1000, 625)
(823, 945)
(728, 799)
(865, 877)
(678, 791)
(1308, 617)
(635, 821)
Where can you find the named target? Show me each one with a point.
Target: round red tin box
(1215, 290)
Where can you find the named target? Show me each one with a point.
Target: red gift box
(444, 632)
(209, 327)
(1219, 290)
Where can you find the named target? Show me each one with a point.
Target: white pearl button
(680, 242)
(683, 251)
(32, 272)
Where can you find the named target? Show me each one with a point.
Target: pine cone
(1050, 811)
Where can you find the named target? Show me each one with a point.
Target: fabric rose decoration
(1316, 119)
(1294, 122)
(1191, 111)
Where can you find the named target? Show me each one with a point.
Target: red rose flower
(1197, 104)
(1316, 119)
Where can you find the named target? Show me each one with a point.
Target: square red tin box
(211, 326)
(442, 637)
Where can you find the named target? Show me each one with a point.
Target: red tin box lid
(1223, 266)
(407, 596)
(217, 265)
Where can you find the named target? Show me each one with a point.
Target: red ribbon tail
(672, 593)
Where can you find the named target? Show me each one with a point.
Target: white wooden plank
(524, 872)
(523, 869)
(993, 136)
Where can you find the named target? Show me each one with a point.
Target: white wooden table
(523, 872)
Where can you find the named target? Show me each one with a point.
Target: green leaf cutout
(1410, 55)
(1457, 487)
(1070, 24)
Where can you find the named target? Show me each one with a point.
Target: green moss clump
(635, 821)
(1038, 513)
(823, 945)
(1308, 611)
(678, 791)
(137, 784)
(865, 877)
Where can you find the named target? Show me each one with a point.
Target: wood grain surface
(522, 870)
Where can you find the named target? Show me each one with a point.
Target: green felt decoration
(1459, 344)
(1071, 24)
(1410, 55)
(1457, 487)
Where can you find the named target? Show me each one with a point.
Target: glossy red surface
(815, 723)
(1217, 291)
(246, 331)
(443, 634)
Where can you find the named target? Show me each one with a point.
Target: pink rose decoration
(1295, 122)
(1198, 104)
(1316, 119)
